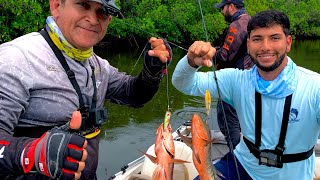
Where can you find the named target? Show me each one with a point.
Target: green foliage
(179, 21)
(19, 17)
(254, 6)
(303, 15)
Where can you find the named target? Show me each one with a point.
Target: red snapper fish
(201, 146)
(164, 150)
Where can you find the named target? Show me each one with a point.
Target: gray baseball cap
(110, 8)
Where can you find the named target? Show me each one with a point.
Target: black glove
(153, 65)
(55, 154)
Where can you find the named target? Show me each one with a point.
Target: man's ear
(54, 7)
(289, 42)
(248, 43)
(109, 19)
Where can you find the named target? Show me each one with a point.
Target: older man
(52, 84)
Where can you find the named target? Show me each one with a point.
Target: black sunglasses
(110, 10)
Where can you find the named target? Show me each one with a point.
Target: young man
(232, 53)
(275, 144)
(48, 77)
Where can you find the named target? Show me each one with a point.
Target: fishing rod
(219, 92)
(207, 96)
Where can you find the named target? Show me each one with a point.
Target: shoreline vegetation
(178, 21)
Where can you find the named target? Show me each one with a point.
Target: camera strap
(84, 109)
(274, 158)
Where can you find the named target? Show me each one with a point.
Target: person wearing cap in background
(53, 88)
(232, 53)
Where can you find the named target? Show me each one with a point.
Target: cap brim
(219, 5)
(112, 9)
(98, 1)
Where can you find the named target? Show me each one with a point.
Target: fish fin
(179, 161)
(152, 158)
(185, 139)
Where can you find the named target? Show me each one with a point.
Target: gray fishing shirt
(35, 91)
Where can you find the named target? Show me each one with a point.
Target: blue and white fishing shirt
(238, 89)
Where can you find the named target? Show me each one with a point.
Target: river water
(129, 131)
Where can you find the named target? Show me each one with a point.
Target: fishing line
(167, 116)
(168, 112)
(225, 120)
(177, 46)
(203, 22)
(167, 74)
(219, 93)
(207, 94)
(145, 46)
(152, 34)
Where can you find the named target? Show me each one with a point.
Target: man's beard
(274, 66)
(227, 17)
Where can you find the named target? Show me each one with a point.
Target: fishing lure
(166, 119)
(208, 102)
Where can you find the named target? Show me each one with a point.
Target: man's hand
(160, 49)
(58, 153)
(157, 59)
(200, 54)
